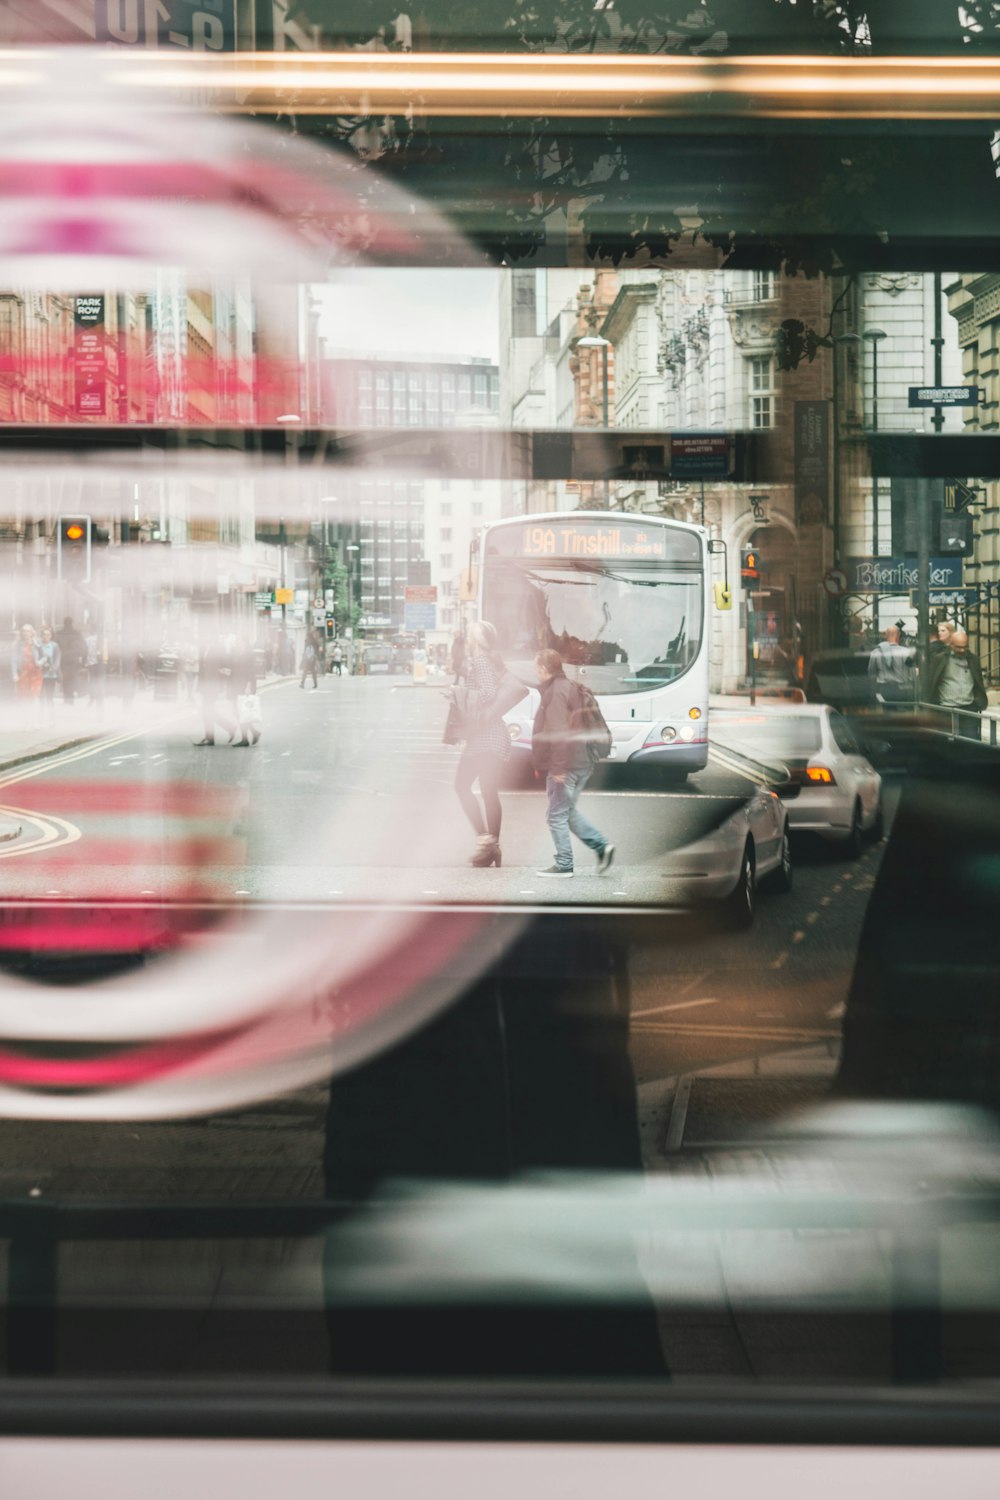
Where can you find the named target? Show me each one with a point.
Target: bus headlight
(687, 731)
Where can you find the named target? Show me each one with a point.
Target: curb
(32, 755)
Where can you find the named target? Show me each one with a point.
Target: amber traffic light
(750, 564)
(73, 539)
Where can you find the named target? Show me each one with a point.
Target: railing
(958, 723)
(913, 1228)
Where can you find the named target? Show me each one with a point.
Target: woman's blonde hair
(483, 637)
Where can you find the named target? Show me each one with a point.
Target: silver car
(822, 775)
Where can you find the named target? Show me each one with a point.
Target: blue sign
(945, 395)
(419, 617)
(897, 575)
(200, 25)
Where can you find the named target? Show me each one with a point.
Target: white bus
(624, 600)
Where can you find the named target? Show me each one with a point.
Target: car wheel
(854, 843)
(781, 879)
(739, 907)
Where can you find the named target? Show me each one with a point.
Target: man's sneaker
(556, 873)
(605, 858)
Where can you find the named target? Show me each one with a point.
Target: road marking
(754, 1033)
(812, 917)
(798, 937)
(780, 961)
(825, 900)
(55, 831)
(655, 1010)
(837, 889)
(678, 1113)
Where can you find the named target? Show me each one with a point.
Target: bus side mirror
(723, 596)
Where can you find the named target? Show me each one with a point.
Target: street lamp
(874, 337)
(595, 341)
(350, 547)
(288, 419)
(840, 340)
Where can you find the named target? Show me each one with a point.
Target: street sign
(897, 575)
(419, 617)
(945, 395)
(284, 596)
(946, 596)
(835, 582)
(704, 456)
(420, 593)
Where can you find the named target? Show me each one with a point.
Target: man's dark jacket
(935, 674)
(554, 745)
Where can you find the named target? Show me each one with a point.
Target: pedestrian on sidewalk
(27, 672)
(214, 678)
(487, 745)
(459, 656)
(955, 681)
(47, 655)
(337, 659)
(564, 757)
(310, 660)
(245, 691)
(891, 668)
(73, 657)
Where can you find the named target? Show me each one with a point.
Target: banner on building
(812, 462)
(90, 365)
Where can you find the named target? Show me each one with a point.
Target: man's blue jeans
(563, 818)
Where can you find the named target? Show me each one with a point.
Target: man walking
(565, 758)
(73, 657)
(891, 668)
(955, 681)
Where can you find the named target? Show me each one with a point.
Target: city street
(348, 799)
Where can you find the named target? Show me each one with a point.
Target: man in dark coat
(955, 680)
(558, 750)
(73, 657)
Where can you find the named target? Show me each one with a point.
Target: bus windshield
(628, 627)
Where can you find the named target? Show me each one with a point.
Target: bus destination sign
(575, 540)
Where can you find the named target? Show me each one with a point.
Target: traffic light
(73, 541)
(331, 628)
(750, 564)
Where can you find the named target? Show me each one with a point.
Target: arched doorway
(777, 608)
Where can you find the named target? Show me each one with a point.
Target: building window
(446, 507)
(446, 560)
(762, 286)
(446, 533)
(761, 391)
(364, 380)
(477, 507)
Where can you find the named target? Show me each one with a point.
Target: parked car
(821, 773)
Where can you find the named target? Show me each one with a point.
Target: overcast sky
(411, 312)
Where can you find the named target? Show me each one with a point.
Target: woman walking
(27, 672)
(487, 746)
(48, 657)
